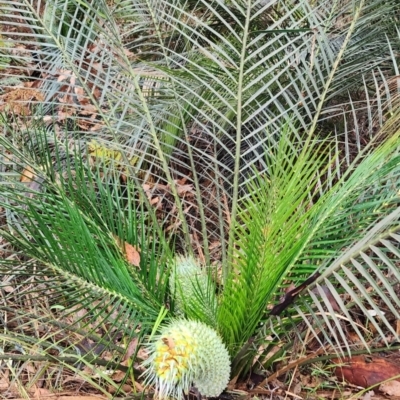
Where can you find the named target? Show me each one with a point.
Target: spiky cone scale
(193, 291)
(183, 276)
(185, 354)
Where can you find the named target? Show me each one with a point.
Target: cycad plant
(257, 139)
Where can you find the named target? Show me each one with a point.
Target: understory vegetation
(187, 178)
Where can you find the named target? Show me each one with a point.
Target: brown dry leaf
(88, 124)
(76, 378)
(28, 175)
(353, 336)
(19, 100)
(391, 388)
(61, 115)
(131, 348)
(132, 254)
(146, 187)
(118, 376)
(4, 381)
(368, 396)
(142, 354)
(125, 388)
(96, 93)
(88, 109)
(31, 180)
(128, 388)
(214, 245)
(311, 381)
(398, 326)
(64, 74)
(366, 371)
(81, 96)
(296, 389)
(139, 387)
(29, 367)
(41, 393)
(48, 118)
(183, 189)
(173, 226)
(96, 127)
(80, 313)
(154, 200)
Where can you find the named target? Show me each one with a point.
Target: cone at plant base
(193, 291)
(185, 354)
(185, 274)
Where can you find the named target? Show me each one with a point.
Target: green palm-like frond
(75, 220)
(288, 235)
(360, 281)
(274, 226)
